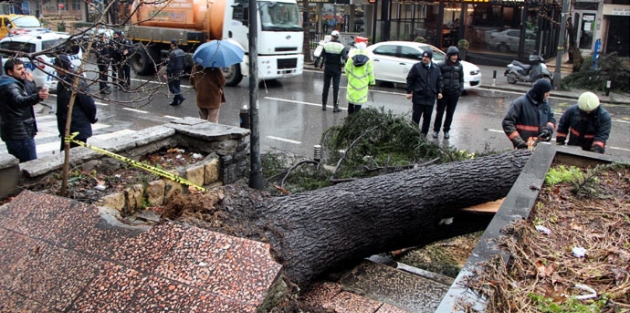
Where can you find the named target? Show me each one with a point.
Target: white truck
(193, 22)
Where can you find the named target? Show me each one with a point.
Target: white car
(41, 67)
(508, 40)
(394, 59)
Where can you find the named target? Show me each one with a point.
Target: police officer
(334, 55)
(103, 60)
(123, 49)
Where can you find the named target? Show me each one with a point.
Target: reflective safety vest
(360, 72)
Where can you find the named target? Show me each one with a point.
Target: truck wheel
(232, 75)
(143, 63)
(511, 78)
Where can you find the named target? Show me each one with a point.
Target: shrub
(463, 44)
(610, 67)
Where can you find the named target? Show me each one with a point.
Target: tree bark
(314, 231)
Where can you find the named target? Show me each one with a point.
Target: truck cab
(194, 22)
(280, 38)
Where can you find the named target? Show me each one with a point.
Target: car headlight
(474, 72)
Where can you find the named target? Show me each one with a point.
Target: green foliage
(420, 39)
(463, 44)
(383, 139)
(610, 67)
(562, 174)
(571, 305)
(368, 143)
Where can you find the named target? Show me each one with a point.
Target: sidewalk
(500, 83)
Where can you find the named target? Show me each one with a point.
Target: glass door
(586, 31)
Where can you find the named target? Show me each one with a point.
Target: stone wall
(227, 144)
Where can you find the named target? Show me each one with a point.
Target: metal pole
(557, 78)
(255, 175)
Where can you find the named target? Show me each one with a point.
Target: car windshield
(278, 16)
(26, 21)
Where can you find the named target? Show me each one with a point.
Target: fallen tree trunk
(314, 231)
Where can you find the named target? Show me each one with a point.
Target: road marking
(617, 148)
(293, 101)
(101, 103)
(285, 140)
(171, 117)
(301, 102)
(135, 110)
(158, 82)
(495, 130)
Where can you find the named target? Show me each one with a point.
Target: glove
(545, 135)
(560, 141)
(519, 143)
(597, 149)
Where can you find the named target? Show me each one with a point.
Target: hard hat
(335, 34)
(588, 101)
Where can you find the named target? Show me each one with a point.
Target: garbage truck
(194, 22)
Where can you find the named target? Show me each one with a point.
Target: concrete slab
(406, 291)
(59, 255)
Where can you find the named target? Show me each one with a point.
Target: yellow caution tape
(141, 165)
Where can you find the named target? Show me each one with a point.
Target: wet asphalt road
(291, 118)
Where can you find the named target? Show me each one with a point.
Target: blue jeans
(174, 88)
(23, 149)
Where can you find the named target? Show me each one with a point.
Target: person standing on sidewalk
(83, 109)
(530, 116)
(586, 123)
(453, 76)
(424, 85)
(17, 116)
(334, 54)
(360, 73)
(174, 71)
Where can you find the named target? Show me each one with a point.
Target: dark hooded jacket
(584, 130)
(530, 114)
(17, 116)
(83, 111)
(452, 73)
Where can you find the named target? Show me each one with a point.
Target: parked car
(84, 38)
(394, 59)
(508, 40)
(16, 24)
(53, 43)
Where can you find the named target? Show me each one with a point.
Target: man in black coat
(83, 110)
(17, 116)
(424, 85)
(453, 77)
(103, 60)
(123, 48)
(174, 71)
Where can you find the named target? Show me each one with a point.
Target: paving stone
(398, 288)
(13, 302)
